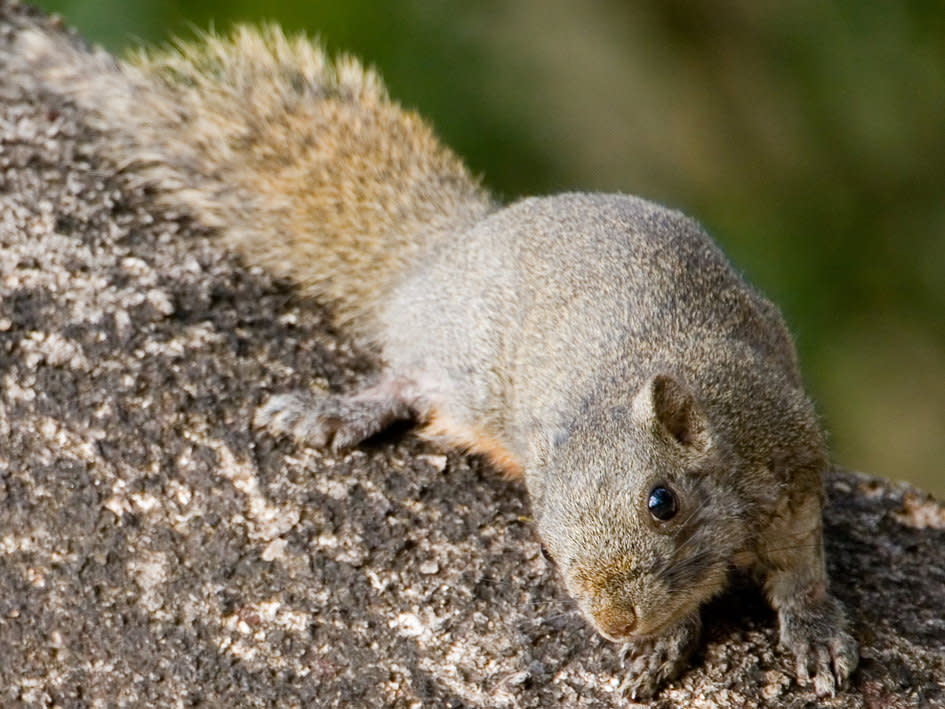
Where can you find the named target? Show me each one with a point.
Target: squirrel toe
(339, 421)
(296, 415)
(825, 653)
(658, 659)
(827, 662)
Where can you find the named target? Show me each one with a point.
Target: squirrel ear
(675, 408)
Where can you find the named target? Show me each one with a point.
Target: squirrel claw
(825, 663)
(657, 659)
(293, 415)
(339, 421)
(825, 653)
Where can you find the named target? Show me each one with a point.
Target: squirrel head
(640, 510)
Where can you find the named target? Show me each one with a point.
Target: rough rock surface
(156, 551)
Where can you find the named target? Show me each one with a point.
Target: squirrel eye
(544, 553)
(662, 504)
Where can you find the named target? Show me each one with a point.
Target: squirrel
(598, 345)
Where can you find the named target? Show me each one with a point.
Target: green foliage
(809, 137)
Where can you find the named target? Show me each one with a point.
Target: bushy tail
(303, 163)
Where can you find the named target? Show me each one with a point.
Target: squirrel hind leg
(340, 421)
(343, 421)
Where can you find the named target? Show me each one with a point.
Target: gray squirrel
(598, 345)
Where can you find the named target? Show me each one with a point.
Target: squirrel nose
(616, 625)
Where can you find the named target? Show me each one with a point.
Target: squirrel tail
(304, 164)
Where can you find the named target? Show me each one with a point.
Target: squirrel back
(303, 163)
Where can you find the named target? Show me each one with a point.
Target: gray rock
(155, 551)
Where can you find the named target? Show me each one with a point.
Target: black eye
(662, 504)
(544, 553)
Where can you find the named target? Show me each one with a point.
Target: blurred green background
(807, 136)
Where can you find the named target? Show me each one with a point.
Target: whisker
(685, 523)
(790, 547)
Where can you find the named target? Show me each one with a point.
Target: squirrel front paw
(338, 421)
(823, 649)
(655, 660)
